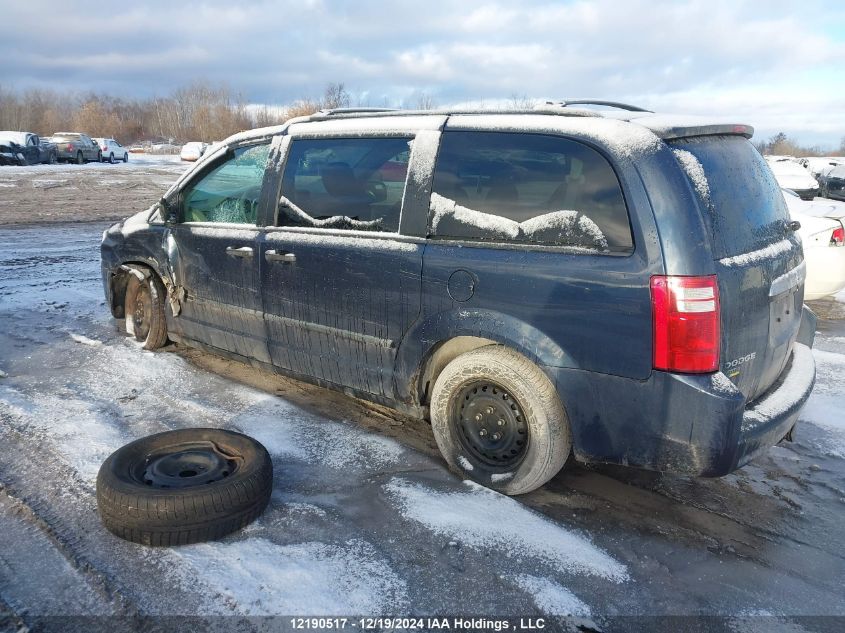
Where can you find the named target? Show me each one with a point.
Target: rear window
(530, 188)
(745, 205)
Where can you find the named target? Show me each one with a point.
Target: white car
(112, 150)
(820, 165)
(791, 175)
(823, 239)
(193, 150)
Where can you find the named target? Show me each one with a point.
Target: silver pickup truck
(76, 147)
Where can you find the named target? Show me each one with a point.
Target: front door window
(231, 191)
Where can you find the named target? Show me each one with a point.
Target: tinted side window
(345, 183)
(230, 192)
(527, 188)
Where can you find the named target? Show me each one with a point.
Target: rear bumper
(691, 424)
(770, 418)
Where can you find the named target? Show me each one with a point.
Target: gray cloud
(701, 56)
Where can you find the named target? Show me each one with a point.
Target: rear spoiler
(669, 127)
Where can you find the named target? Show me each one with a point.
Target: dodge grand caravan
(612, 285)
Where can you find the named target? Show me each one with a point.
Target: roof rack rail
(610, 104)
(334, 111)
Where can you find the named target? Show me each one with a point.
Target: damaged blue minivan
(605, 285)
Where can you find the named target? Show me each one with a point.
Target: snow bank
(483, 519)
(264, 578)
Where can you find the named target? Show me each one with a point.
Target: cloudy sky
(775, 64)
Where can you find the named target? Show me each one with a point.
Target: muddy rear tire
(144, 307)
(498, 420)
(185, 486)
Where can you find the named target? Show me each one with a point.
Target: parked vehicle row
(616, 287)
(810, 176)
(26, 148)
(823, 238)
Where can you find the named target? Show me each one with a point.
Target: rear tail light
(105, 147)
(685, 318)
(837, 238)
(69, 147)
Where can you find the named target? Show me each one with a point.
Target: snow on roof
(14, 137)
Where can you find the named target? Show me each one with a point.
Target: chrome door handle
(273, 256)
(243, 251)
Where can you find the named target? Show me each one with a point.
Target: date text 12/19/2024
(418, 624)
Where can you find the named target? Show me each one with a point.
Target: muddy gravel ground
(364, 519)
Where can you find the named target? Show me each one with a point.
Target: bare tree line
(196, 112)
(782, 145)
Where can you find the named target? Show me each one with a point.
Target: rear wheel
(111, 158)
(79, 158)
(53, 159)
(125, 157)
(144, 311)
(497, 419)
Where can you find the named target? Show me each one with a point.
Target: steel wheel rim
(186, 465)
(142, 312)
(490, 425)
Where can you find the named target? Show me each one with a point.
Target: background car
(33, 148)
(823, 239)
(833, 183)
(819, 166)
(111, 150)
(793, 176)
(193, 150)
(76, 147)
(10, 153)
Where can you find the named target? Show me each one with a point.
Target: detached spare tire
(185, 486)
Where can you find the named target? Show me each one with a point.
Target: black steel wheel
(185, 486)
(144, 309)
(125, 157)
(111, 159)
(491, 423)
(79, 158)
(497, 420)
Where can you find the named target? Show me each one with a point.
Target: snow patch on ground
(464, 462)
(263, 578)
(550, 597)
(84, 340)
(824, 408)
(288, 431)
(481, 518)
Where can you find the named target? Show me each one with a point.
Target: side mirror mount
(168, 212)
